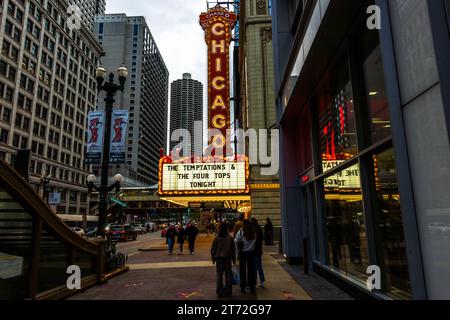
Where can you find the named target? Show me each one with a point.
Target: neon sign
(218, 23)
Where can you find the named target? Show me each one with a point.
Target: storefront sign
(218, 24)
(203, 178)
(119, 124)
(347, 179)
(95, 138)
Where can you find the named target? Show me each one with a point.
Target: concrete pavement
(154, 275)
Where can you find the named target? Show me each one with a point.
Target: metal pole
(104, 190)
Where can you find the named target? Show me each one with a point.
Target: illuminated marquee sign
(218, 23)
(203, 178)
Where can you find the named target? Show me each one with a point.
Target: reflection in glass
(337, 127)
(85, 262)
(15, 248)
(376, 96)
(347, 243)
(391, 225)
(52, 262)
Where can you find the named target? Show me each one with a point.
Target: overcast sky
(175, 28)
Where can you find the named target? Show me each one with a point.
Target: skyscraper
(128, 41)
(186, 107)
(89, 10)
(47, 87)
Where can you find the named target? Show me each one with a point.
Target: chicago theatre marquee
(220, 177)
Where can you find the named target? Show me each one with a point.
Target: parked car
(139, 228)
(78, 231)
(121, 232)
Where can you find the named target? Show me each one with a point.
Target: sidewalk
(154, 275)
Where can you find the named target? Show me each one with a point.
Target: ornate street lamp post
(45, 181)
(110, 88)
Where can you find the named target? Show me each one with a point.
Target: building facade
(47, 87)
(89, 10)
(128, 41)
(363, 109)
(186, 108)
(257, 98)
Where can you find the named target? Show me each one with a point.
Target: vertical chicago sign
(215, 175)
(218, 24)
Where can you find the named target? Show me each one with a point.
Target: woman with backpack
(245, 241)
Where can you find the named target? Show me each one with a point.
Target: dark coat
(268, 228)
(259, 241)
(171, 232)
(223, 248)
(192, 232)
(181, 235)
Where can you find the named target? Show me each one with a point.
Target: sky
(176, 30)
(175, 27)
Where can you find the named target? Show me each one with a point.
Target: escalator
(36, 247)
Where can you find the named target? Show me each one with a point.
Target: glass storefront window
(15, 248)
(52, 262)
(337, 127)
(346, 230)
(380, 120)
(391, 225)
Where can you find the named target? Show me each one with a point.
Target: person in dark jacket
(268, 232)
(181, 236)
(258, 253)
(170, 235)
(223, 254)
(192, 232)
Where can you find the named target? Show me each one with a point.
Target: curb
(114, 274)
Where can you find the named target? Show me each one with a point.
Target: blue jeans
(171, 243)
(259, 268)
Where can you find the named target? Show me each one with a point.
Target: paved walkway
(154, 275)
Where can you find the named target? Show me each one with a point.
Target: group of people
(180, 235)
(245, 246)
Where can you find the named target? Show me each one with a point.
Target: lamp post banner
(119, 124)
(95, 131)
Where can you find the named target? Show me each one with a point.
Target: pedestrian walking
(170, 236)
(192, 232)
(223, 254)
(258, 253)
(181, 236)
(268, 232)
(238, 225)
(245, 246)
